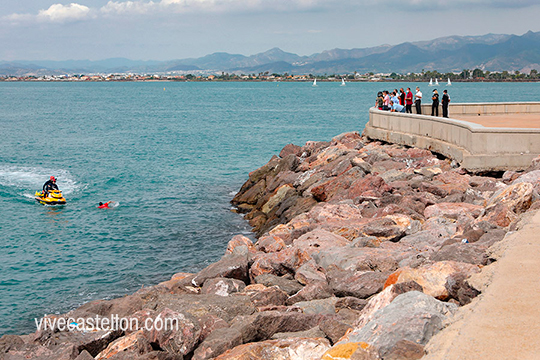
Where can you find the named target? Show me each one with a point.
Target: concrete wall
(475, 147)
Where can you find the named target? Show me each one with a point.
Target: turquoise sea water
(171, 154)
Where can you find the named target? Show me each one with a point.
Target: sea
(171, 155)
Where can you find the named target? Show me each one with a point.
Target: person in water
(49, 185)
(104, 206)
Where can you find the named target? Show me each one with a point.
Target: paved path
(531, 121)
(504, 323)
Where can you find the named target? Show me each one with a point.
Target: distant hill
(493, 52)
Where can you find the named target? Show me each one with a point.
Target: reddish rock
(383, 299)
(222, 286)
(432, 277)
(309, 273)
(351, 140)
(453, 210)
(252, 195)
(499, 215)
(289, 286)
(368, 183)
(135, 342)
(460, 290)
(312, 291)
(415, 153)
(258, 327)
(405, 350)
(280, 263)
(517, 197)
(359, 259)
(237, 241)
(464, 252)
(319, 239)
(269, 296)
(179, 334)
(230, 266)
(380, 167)
(412, 316)
(270, 244)
(351, 302)
(360, 163)
(302, 348)
(290, 149)
(358, 284)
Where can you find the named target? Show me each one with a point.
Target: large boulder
(432, 277)
(239, 241)
(257, 327)
(230, 266)
(360, 284)
(283, 349)
(280, 263)
(413, 316)
(222, 286)
(517, 197)
(291, 287)
(383, 299)
(351, 258)
(135, 342)
(313, 291)
(175, 332)
(453, 210)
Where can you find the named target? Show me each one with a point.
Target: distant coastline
(104, 78)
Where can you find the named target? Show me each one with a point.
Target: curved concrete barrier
(475, 147)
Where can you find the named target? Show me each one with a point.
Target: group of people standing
(402, 101)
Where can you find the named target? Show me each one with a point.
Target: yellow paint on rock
(344, 351)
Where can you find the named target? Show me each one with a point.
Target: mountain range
(493, 52)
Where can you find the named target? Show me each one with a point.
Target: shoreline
(352, 235)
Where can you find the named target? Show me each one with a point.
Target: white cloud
(56, 13)
(123, 7)
(182, 6)
(64, 13)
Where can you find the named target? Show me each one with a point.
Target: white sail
(449, 82)
(315, 82)
(342, 82)
(436, 81)
(430, 82)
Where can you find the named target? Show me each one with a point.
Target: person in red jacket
(104, 206)
(408, 101)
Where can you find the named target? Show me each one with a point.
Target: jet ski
(54, 197)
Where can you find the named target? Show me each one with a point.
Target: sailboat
(436, 81)
(342, 82)
(314, 82)
(449, 83)
(430, 82)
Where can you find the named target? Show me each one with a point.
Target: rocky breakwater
(364, 251)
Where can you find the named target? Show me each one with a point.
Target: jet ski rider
(49, 185)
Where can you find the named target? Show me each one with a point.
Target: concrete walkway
(530, 121)
(504, 322)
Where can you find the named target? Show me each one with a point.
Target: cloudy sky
(173, 29)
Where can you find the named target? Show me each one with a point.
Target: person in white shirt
(418, 100)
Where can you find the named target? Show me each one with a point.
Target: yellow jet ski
(54, 197)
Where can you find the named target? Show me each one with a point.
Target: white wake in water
(32, 179)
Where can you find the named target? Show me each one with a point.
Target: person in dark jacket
(445, 101)
(435, 104)
(49, 185)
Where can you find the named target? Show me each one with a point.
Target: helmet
(53, 178)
